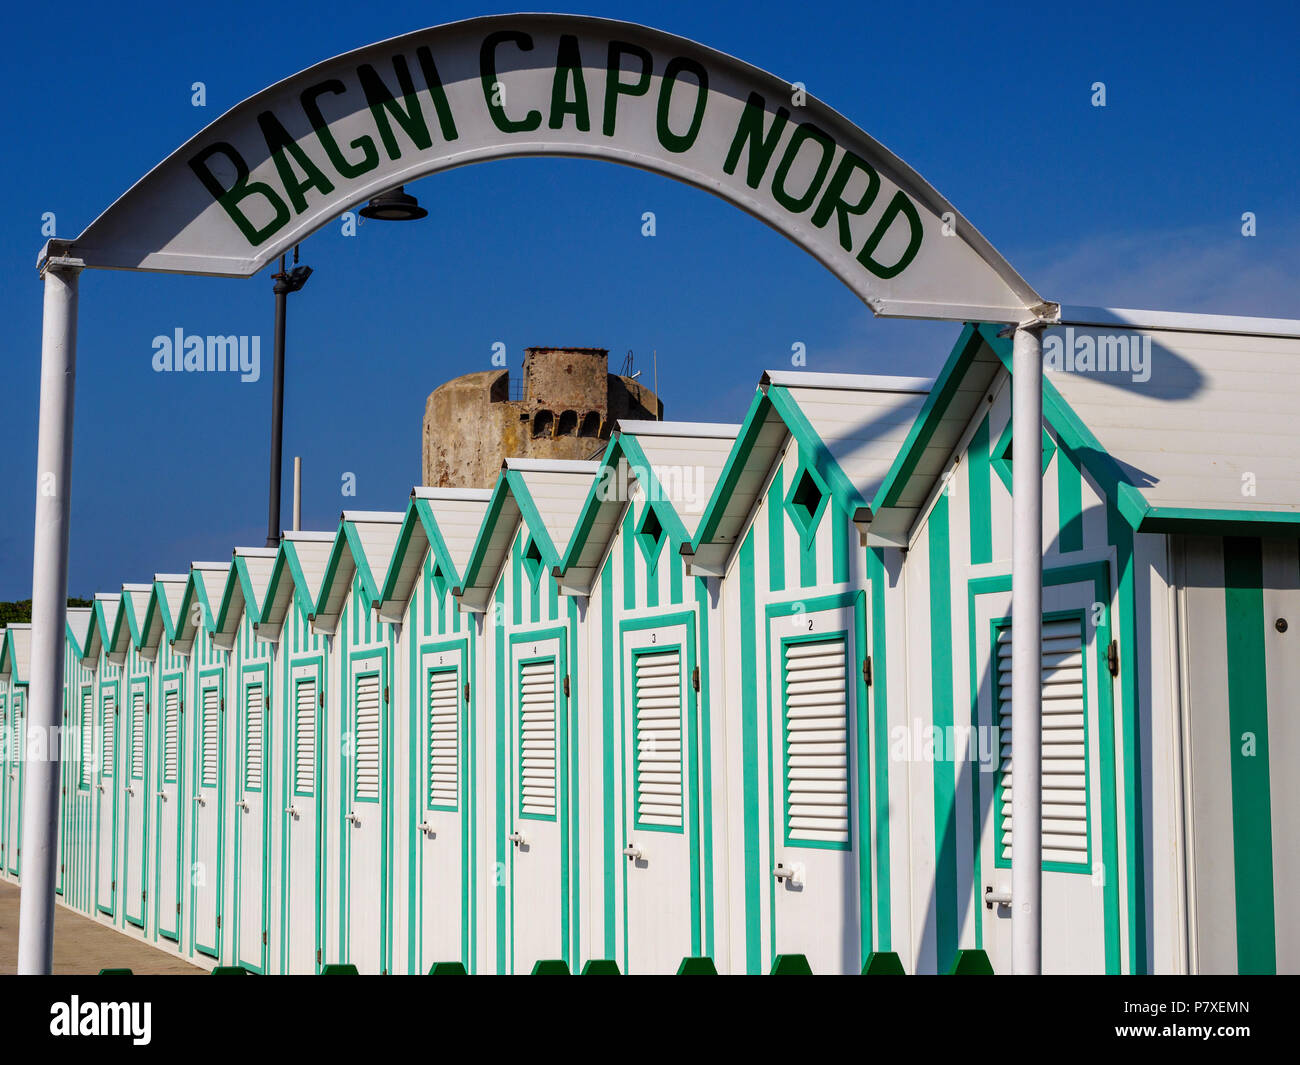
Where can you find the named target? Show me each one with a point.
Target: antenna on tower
(626, 371)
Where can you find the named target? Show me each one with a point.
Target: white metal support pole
(297, 492)
(1026, 650)
(49, 615)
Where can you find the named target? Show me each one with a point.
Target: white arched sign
(287, 160)
(284, 162)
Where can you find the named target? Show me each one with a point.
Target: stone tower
(562, 407)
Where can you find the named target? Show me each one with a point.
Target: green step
(791, 965)
(600, 967)
(883, 963)
(447, 968)
(336, 969)
(230, 970)
(971, 963)
(700, 966)
(116, 972)
(551, 967)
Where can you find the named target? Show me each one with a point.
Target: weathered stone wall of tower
(562, 407)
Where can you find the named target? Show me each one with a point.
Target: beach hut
(206, 747)
(1170, 568)
(15, 655)
(648, 752)
(439, 685)
(529, 814)
(300, 676)
(251, 784)
(803, 608)
(359, 744)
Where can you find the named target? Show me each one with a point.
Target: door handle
(292, 811)
(996, 898)
(792, 873)
(427, 829)
(162, 795)
(130, 791)
(633, 853)
(354, 818)
(241, 805)
(200, 800)
(99, 787)
(518, 839)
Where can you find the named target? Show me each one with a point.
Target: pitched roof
(363, 544)
(678, 465)
(445, 521)
(296, 575)
(547, 497)
(245, 590)
(103, 620)
(1169, 439)
(16, 653)
(848, 428)
(207, 580)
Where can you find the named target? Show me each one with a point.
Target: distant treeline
(22, 610)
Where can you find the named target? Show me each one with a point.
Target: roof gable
(244, 591)
(296, 577)
(677, 464)
(836, 420)
(547, 496)
(206, 581)
(444, 521)
(363, 545)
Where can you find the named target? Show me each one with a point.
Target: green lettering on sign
(231, 198)
(678, 143)
(615, 86)
(487, 62)
(568, 72)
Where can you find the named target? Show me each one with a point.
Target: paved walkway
(85, 946)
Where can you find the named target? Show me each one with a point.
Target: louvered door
(106, 802)
(437, 735)
(1078, 885)
(13, 782)
(167, 816)
(299, 823)
(135, 805)
(538, 723)
(252, 865)
(659, 869)
(365, 751)
(1064, 747)
(815, 682)
(205, 877)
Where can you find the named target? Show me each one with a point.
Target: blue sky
(1136, 204)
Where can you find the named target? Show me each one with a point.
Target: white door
(438, 864)
(363, 827)
(106, 803)
(1076, 703)
(300, 823)
(815, 666)
(660, 841)
(13, 803)
(168, 812)
(206, 833)
(134, 802)
(536, 798)
(252, 860)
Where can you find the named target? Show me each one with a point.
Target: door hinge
(144, 896)
(178, 907)
(223, 704)
(1112, 658)
(263, 937)
(566, 685)
(866, 671)
(385, 693)
(320, 698)
(112, 885)
(695, 678)
(467, 691)
(318, 955)
(218, 920)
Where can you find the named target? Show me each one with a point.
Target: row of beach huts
(734, 691)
